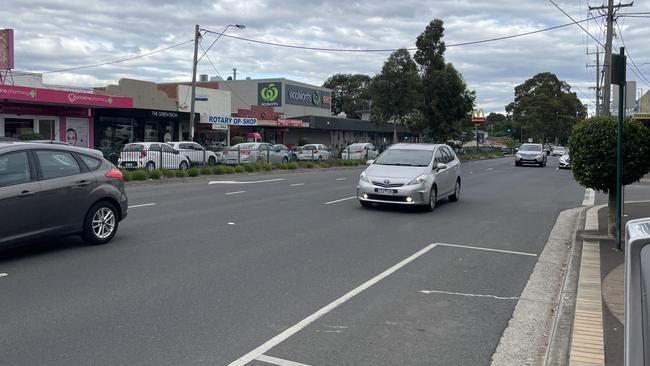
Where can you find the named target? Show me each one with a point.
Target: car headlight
(419, 180)
(540, 156)
(518, 156)
(364, 178)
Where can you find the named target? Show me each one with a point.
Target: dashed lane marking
(143, 205)
(4, 274)
(341, 178)
(341, 200)
(245, 182)
(296, 184)
(235, 192)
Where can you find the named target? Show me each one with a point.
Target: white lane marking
(4, 274)
(326, 309)
(469, 295)
(143, 205)
(279, 361)
(490, 168)
(245, 182)
(231, 223)
(296, 184)
(341, 178)
(590, 197)
(488, 249)
(235, 192)
(341, 200)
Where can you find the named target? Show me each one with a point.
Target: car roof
(407, 146)
(7, 145)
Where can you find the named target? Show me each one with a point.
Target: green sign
(269, 94)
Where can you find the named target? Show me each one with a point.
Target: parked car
(252, 152)
(411, 174)
(359, 151)
(39, 182)
(565, 161)
(219, 150)
(317, 152)
(530, 154)
(197, 154)
(152, 155)
(294, 152)
(285, 151)
(557, 151)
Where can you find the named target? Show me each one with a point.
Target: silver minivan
(411, 174)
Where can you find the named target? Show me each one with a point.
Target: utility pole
(610, 11)
(197, 36)
(597, 87)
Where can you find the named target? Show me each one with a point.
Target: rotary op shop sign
(232, 121)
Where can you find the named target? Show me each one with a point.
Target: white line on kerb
(341, 178)
(245, 182)
(4, 274)
(279, 361)
(315, 316)
(590, 197)
(296, 184)
(468, 295)
(235, 192)
(488, 249)
(341, 200)
(143, 205)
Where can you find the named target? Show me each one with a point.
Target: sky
(51, 35)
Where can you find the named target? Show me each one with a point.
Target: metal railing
(161, 158)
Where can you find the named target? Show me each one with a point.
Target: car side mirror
(370, 162)
(441, 166)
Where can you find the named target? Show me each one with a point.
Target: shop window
(46, 127)
(14, 127)
(111, 133)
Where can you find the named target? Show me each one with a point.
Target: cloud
(59, 34)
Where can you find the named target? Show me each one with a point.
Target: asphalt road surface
(286, 268)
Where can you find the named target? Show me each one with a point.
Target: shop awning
(15, 93)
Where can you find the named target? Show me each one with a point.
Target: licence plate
(385, 191)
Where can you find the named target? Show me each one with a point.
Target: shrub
(324, 165)
(155, 174)
(292, 166)
(193, 172)
(303, 141)
(236, 140)
(181, 173)
(284, 166)
(139, 175)
(230, 170)
(268, 167)
(309, 165)
(127, 176)
(250, 167)
(239, 169)
(220, 169)
(26, 136)
(207, 170)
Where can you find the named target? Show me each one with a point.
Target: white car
(558, 151)
(317, 152)
(253, 152)
(359, 151)
(151, 155)
(197, 154)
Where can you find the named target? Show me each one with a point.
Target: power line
(205, 53)
(638, 72)
(324, 49)
(577, 22)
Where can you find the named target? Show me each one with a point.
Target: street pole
(619, 146)
(597, 81)
(197, 35)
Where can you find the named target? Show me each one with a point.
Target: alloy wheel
(103, 223)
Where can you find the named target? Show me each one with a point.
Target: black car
(52, 189)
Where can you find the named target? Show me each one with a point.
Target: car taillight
(143, 153)
(115, 173)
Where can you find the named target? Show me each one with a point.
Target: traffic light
(509, 128)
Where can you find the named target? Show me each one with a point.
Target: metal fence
(161, 158)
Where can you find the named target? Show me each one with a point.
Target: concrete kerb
(525, 339)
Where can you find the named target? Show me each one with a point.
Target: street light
(197, 36)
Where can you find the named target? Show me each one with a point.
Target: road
(286, 269)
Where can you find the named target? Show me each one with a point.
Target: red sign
(28, 94)
(289, 123)
(6, 49)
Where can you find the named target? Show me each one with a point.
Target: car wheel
(365, 204)
(212, 160)
(320, 158)
(101, 223)
(285, 159)
(517, 163)
(150, 166)
(433, 199)
(183, 165)
(454, 197)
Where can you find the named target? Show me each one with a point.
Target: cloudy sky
(58, 34)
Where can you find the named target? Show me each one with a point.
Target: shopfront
(51, 114)
(116, 127)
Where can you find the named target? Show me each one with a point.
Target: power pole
(197, 36)
(597, 87)
(611, 10)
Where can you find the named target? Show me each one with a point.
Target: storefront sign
(289, 123)
(232, 121)
(269, 94)
(308, 97)
(219, 127)
(22, 93)
(6, 49)
(164, 114)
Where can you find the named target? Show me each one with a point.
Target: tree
(395, 92)
(499, 123)
(545, 108)
(446, 101)
(593, 156)
(349, 93)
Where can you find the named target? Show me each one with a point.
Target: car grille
(389, 185)
(380, 197)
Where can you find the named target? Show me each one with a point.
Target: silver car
(565, 161)
(411, 174)
(530, 154)
(253, 152)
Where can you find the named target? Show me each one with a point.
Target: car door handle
(83, 183)
(26, 193)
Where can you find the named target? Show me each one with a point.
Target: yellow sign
(641, 116)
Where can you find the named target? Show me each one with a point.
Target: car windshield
(133, 147)
(245, 146)
(530, 148)
(405, 157)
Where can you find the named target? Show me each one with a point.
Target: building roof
(348, 124)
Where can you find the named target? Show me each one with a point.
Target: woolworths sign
(308, 97)
(269, 94)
